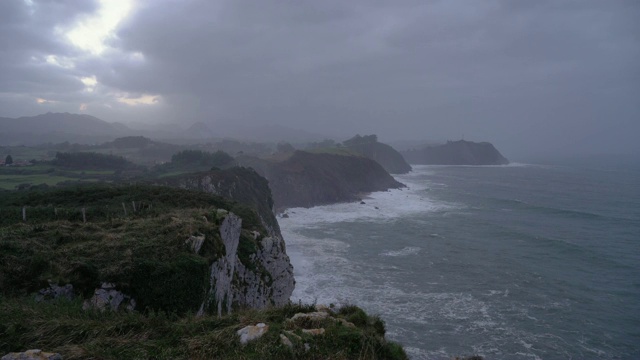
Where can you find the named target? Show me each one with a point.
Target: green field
(23, 153)
(9, 182)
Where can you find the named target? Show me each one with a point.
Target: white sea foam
(405, 251)
(327, 273)
(378, 206)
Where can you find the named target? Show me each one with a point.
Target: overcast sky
(529, 76)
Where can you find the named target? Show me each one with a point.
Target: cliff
(385, 155)
(154, 272)
(240, 184)
(308, 179)
(456, 153)
(151, 247)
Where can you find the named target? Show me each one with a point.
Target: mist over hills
(83, 128)
(58, 127)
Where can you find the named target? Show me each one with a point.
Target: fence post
(84, 216)
(125, 209)
(24, 213)
(133, 205)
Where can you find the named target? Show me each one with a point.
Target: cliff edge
(456, 153)
(369, 146)
(142, 248)
(308, 179)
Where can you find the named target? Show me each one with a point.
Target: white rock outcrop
(220, 292)
(35, 354)
(54, 292)
(108, 298)
(268, 278)
(284, 340)
(252, 332)
(195, 242)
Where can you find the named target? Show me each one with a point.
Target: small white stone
(252, 332)
(285, 341)
(314, 316)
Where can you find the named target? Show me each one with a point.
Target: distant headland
(459, 152)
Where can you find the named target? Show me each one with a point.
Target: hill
(456, 153)
(368, 146)
(166, 248)
(58, 127)
(307, 179)
(152, 272)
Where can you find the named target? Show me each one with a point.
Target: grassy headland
(144, 252)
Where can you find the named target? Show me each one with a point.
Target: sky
(532, 77)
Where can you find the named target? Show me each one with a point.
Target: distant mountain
(385, 155)
(58, 127)
(456, 153)
(270, 133)
(63, 123)
(199, 130)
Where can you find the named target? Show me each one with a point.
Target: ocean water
(508, 262)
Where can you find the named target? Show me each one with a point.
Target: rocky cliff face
(308, 179)
(456, 153)
(189, 252)
(385, 155)
(240, 184)
(264, 277)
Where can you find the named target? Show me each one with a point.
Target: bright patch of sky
(144, 99)
(89, 82)
(91, 33)
(63, 62)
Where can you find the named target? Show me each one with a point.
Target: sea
(507, 262)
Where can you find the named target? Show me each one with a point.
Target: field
(12, 177)
(11, 182)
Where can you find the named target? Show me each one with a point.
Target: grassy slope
(76, 334)
(10, 182)
(11, 177)
(145, 254)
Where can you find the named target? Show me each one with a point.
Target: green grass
(42, 173)
(145, 254)
(9, 182)
(64, 328)
(93, 172)
(143, 251)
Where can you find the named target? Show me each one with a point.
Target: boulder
(252, 332)
(346, 323)
(313, 316)
(107, 297)
(34, 354)
(54, 292)
(285, 341)
(293, 335)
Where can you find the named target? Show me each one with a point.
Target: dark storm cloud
(528, 75)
